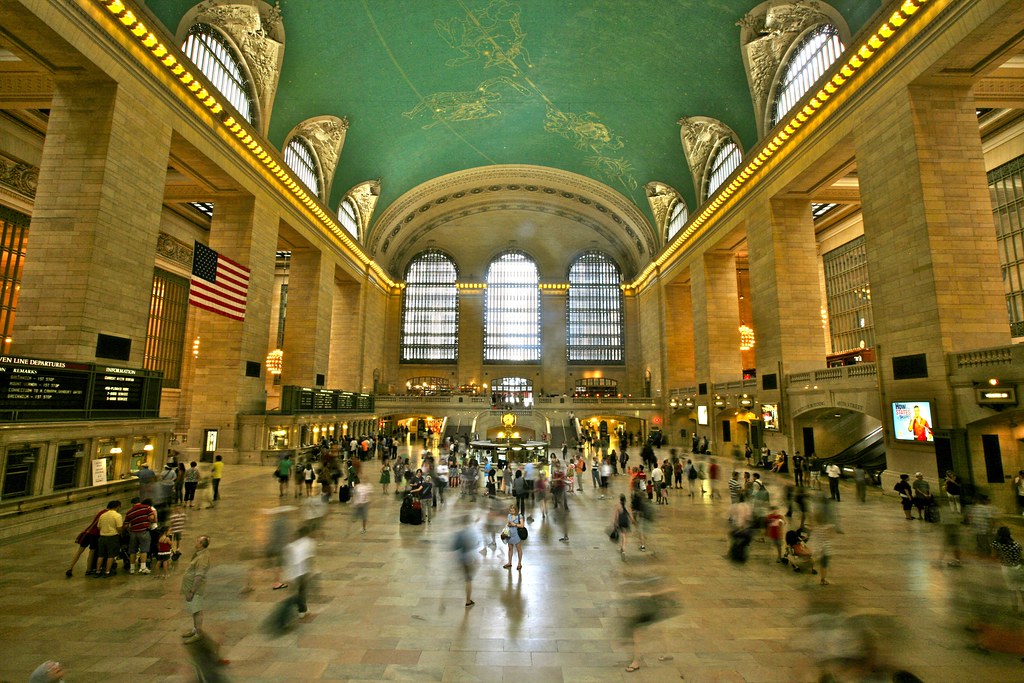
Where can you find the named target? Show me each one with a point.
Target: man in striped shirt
(137, 520)
(734, 488)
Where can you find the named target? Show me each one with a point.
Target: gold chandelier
(746, 337)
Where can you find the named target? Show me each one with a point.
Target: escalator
(868, 452)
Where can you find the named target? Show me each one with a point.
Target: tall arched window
(726, 159)
(676, 220)
(347, 217)
(215, 57)
(512, 310)
(809, 61)
(430, 310)
(594, 311)
(301, 159)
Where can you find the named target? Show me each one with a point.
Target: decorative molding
(474, 184)
(326, 135)
(767, 33)
(662, 198)
(414, 239)
(173, 249)
(258, 32)
(364, 198)
(19, 178)
(700, 137)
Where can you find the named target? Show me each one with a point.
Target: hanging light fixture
(275, 361)
(746, 337)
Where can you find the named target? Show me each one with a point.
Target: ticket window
(20, 467)
(67, 470)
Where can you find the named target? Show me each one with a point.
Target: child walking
(163, 552)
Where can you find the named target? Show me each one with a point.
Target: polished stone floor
(388, 605)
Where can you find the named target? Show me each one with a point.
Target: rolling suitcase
(411, 512)
(344, 493)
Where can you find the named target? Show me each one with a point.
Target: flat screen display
(770, 416)
(912, 421)
(702, 415)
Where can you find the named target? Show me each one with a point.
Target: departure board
(40, 389)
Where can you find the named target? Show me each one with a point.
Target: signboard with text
(41, 389)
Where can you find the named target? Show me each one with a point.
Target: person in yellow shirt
(110, 524)
(218, 472)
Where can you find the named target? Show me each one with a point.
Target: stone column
(784, 288)
(553, 360)
(345, 328)
(716, 318)
(931, 249)
(679, 336)
(307, 330)
(471, 337)
(245, 230)
(89, 266)
(716, 336)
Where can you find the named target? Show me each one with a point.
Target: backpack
(692, 474)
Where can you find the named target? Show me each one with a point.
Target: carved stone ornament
(766, 35)
(700, 136)
(19, 177)
(364, 197)
(326, 135)
(661, 198)
(258, 32)
(174, 250)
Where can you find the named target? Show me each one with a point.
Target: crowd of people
(499, 500)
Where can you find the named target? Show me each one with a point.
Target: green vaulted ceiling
(595, 87)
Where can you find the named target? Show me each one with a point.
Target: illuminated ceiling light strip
(784, 139)
(170, 63)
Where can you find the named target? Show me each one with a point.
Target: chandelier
(746, 338)
(274, 361)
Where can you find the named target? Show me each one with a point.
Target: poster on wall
(912, 421)
(99, 471)
(770, 416)
(702, 415)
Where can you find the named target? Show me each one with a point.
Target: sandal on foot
(632, 668)
(470, 603)
(279, 586)
(506, 566)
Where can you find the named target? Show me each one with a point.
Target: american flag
(218, 283)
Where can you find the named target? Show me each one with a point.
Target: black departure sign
(41, 389)
(306, 400)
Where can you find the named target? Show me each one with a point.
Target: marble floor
(388, 605)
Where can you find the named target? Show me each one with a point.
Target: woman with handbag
(622, 522)
(514, 534)
(88, 539)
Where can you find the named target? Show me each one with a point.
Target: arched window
(430, 310)
(347, 217)
(594, 311)
(302, 161)
(215, 57)
(809, 61)
(726, 159)
(512, 310)
(676, 220)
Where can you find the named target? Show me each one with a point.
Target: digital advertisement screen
(702, 415)
(912, 421)
(770, 416)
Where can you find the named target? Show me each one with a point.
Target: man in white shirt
(832, 471)
(658, 480)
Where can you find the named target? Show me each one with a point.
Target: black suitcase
(931, 513)
(344, 493)
(410, 513)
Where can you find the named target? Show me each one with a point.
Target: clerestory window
(811, 58)
(594, 319)
(512, 310)
(215, 57)
(430, 310)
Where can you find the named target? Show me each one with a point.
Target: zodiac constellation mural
(493, 37)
